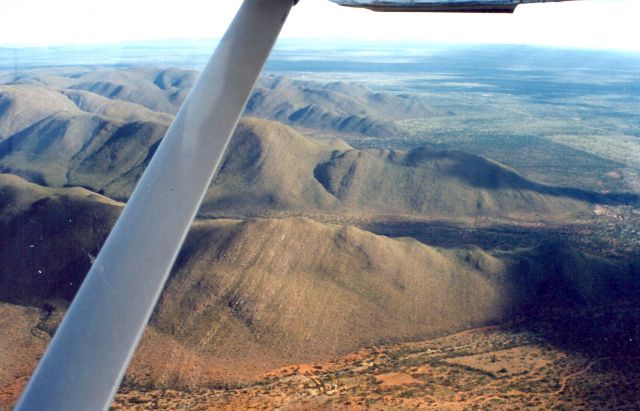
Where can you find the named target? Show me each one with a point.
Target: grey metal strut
(89, 353)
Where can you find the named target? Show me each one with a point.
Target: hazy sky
(586, 23)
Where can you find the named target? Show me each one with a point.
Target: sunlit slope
(22, 106)
(271, 167)
(128, 112)
(299, 287)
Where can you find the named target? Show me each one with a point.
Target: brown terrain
(498, 367)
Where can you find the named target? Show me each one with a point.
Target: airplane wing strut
(89, 354)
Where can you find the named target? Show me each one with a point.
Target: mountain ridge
(270, 167)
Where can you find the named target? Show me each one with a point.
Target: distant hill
(22, 106)
(78, 138)
(337, 106)
(161, 90)
(249, 296)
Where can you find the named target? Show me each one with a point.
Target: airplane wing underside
(451, 6)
